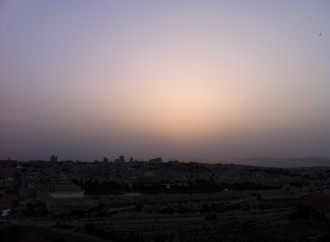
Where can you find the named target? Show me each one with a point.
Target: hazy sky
(190, 80)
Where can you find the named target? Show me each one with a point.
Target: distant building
(63, 197)
(53, 158)
(105, 159)
(121, 158)
(156, 160)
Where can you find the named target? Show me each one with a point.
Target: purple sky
(190, 80)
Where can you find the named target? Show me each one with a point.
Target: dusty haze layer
(188, 80)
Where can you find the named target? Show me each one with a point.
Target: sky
(188, 80)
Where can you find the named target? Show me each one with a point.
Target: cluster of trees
(248, 186)
(206, 208)
(307, 212)
(95, 187)
(12, 232)
(98, 211)
(100, 230)
(60, 225)
(33, 209)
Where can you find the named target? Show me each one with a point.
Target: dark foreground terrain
(162, 201)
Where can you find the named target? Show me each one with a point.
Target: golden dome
(149, 174)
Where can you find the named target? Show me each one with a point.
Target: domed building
(149, 179)
(149, 174)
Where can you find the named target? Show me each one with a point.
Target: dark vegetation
(21, 233)
(95, 187)
(93, 212)
(107, 233)
(33, 209)
(307, 212)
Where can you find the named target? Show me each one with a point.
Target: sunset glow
(181, 79)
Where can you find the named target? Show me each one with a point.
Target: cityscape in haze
(156, 121)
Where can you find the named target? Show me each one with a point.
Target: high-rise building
(53, 158)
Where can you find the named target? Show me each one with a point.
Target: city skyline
(186, 80)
